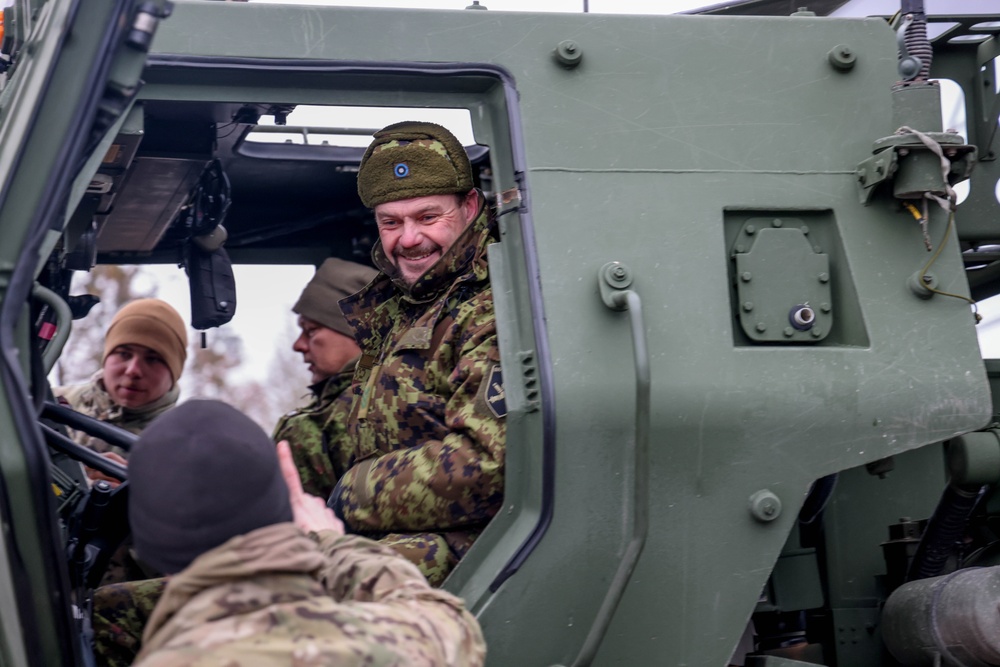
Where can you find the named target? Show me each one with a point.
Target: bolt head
(761, 327)
(765, 506)
(746, 276)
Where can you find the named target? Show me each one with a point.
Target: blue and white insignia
(401, 170)
(496, 400)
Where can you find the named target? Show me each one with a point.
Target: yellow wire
(937, 253)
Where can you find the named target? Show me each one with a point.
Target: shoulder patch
(496, 399)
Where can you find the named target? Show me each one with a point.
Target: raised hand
(309, 512)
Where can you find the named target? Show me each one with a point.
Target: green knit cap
(412, 159)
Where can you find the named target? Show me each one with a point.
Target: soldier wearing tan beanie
(145, 348)
(154, 324)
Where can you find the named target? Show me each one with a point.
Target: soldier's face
(135, 375)
(416, 232)
(324, 350)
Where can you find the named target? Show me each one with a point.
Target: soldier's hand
(96, 475)
(309, 512)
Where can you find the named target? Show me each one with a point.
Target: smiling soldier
(424, 419)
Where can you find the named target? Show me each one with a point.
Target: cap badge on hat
(401, 170)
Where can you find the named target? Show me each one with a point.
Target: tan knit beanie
(154, 324)
(335, 279)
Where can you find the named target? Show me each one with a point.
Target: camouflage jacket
(274, 597)
(309, 441)
(425, 415)
(90, 398)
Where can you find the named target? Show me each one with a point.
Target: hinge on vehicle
(147, 17)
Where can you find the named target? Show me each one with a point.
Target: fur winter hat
(412, 159)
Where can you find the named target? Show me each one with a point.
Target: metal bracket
(896, 156)
(615, 278)
(878, 168)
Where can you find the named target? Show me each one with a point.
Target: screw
(823, 278)
(748, 306)
(746, 276)
(825, 307)
(619, 272)
(789, 332)
(750, 230)
(741, 248)
(761, 327)
(776, 222)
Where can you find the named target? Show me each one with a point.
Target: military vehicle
(748, 417)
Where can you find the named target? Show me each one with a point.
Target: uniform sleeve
(390, 588)
(308, 444)
(450, 483)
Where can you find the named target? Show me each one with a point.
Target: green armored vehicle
(748, 419)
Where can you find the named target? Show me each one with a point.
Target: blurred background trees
(215, 371)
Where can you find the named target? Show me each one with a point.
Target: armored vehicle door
(71, 71)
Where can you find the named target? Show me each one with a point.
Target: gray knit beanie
(199, 475)
(335, 279)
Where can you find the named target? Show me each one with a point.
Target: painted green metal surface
(65, 58)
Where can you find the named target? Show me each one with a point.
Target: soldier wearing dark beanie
(200, 475)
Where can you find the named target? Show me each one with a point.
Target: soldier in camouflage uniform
(144, 352)
(250, 588)
(327, 345)
(145, 348)
(424, 421)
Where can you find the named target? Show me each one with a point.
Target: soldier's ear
(470, 205)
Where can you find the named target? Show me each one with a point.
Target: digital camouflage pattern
(275, 597)
(91, 399)
(426, 447)
(120, 615)
(309, 439)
